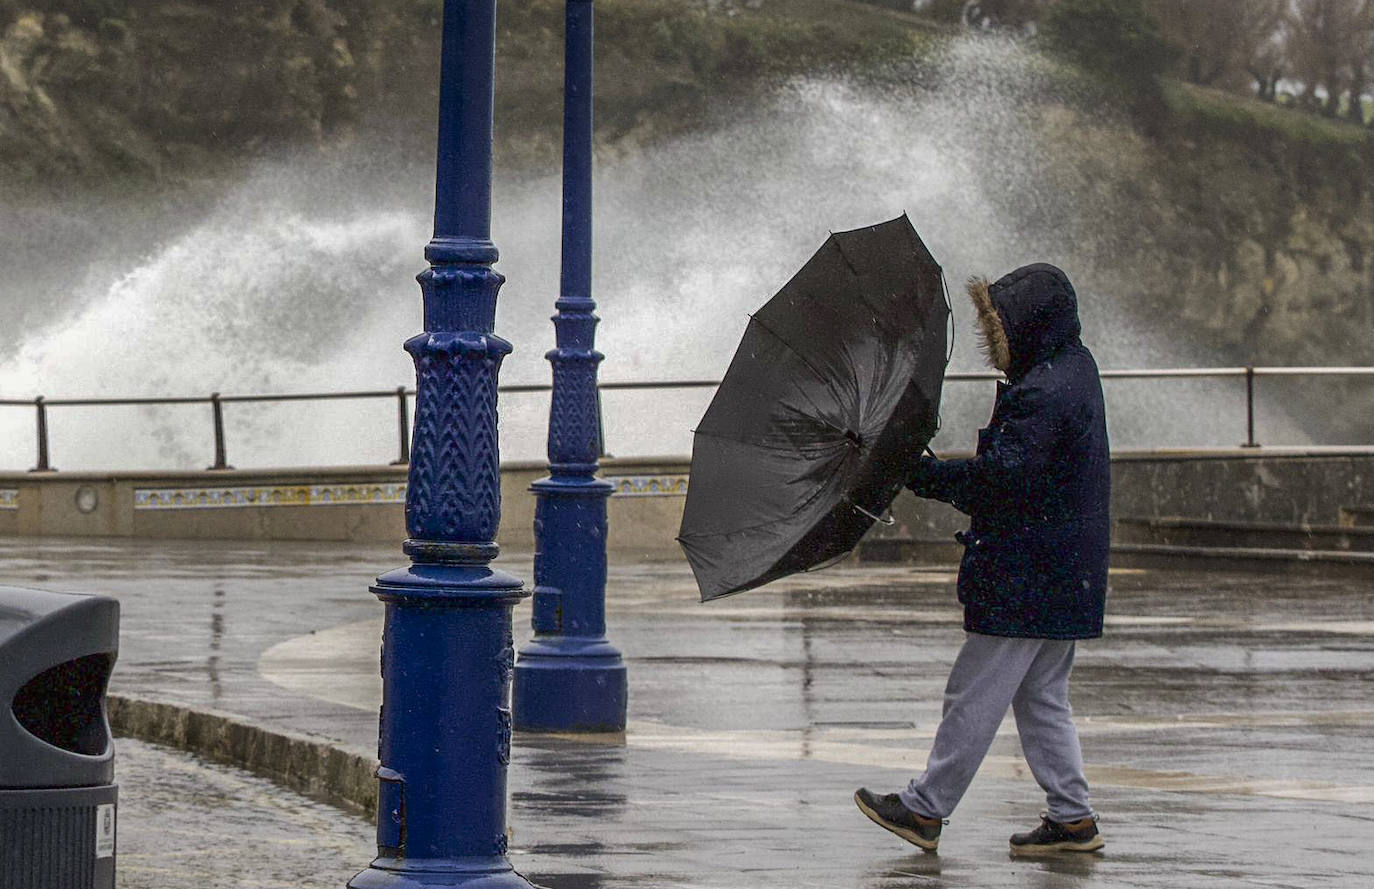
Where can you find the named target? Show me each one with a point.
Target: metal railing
(401, 394)
(216, 402)
(1249, 373)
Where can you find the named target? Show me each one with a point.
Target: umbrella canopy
(832, 392)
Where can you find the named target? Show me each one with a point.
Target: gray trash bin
(57, 792)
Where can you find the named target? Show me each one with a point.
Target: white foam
(303, 280)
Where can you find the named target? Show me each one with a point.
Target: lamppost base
(569, 684)
(486, 873)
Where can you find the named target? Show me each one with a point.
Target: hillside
(1241, 228)
(149, 89)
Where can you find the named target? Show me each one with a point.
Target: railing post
(402, 426)
(217, 411)
(42, 409)
(1250, 409)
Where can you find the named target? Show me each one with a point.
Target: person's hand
(920, 474)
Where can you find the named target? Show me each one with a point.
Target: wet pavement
(186, 822)
(1226, 718)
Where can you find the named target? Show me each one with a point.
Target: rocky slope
(1246, 229)
(1240, 227)
(141, 89)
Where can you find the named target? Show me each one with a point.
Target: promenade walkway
(1227, 718)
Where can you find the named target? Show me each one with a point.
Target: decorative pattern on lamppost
(447, 651)
(569, 677)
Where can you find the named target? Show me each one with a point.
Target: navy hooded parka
(1035, 557)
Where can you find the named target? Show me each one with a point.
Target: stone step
(1283, 537)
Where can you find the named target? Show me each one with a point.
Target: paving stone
(1226, 720)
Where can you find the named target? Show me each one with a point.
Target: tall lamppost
(447, 651)
(569, 677)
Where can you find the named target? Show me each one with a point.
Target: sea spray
(301, 279)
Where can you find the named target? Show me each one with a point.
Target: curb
(299, 762)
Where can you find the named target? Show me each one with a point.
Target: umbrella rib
(853, 270)
(858, 279)
(775, 335)
(726, 533)
(829, 384)
(834, 471)
(846, 435)
(801, 506)
(760, 445)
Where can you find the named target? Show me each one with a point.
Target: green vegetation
(803, 35)
(1260, 211)
(154, 88)
(663, 65)
(1237, 117)
(138, 89)
(1118, 41)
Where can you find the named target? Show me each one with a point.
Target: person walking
(1033, 579)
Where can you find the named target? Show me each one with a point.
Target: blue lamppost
(447, 650)
(569, 677)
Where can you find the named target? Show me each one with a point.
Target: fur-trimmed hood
(993, 336)
(1025, 316)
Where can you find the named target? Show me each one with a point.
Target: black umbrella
(833, 391)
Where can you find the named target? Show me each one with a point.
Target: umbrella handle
(886, 521)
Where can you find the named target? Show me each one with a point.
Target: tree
(1118, 40)
(1267, 62)
(1328, 48)
(1361, 61)
(1219, 39)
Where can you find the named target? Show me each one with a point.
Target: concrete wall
(1293, 486)
(322, 503)
(366, 502)
(362, 503)
(1290, 485)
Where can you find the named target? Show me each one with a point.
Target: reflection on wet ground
(185, 822)
(1226, 718)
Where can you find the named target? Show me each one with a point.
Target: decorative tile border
(269, 495)
(648, 485)
(9, 498)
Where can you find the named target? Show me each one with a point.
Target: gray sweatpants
(990, 674)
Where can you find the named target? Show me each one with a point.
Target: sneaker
(889, 812)
(1051, 836)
